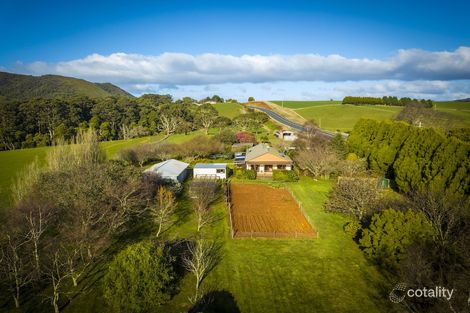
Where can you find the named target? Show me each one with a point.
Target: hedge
(285, 176)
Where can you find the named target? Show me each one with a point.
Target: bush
(285, 176)
(352, 228)
(139, 279)
(242, 173)
(227, 136)
(391, 232)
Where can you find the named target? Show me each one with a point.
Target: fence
(301, 208)
(255, 234)
(228, 203)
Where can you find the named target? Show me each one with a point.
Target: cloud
(169, 69)
(306, 90)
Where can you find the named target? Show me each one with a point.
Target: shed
(210, 170)
(170, 169)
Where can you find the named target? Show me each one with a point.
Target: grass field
(328, 274)
(274, 214)
(459, 109)
(12, 162)
(229, 110)
(332, 115)
(344, 117)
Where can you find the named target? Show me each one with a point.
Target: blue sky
(288, 49)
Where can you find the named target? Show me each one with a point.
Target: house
(210, 170)
(170, 169)
(286, 135)
(265, 159)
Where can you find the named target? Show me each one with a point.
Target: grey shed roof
(261, 149)
(210, 165)
(169, 167)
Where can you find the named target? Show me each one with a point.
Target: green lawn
(304, 104)
(328, 274)
(344, 117)
(11, 162)
(228, 109)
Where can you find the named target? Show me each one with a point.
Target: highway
(296, 126)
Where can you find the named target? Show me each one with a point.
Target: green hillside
(22, 87)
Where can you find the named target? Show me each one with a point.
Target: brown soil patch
(262, 211)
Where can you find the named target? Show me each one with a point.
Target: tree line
(386, 100)
(39, 122)
(415, 158)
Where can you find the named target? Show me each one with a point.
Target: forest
(41, 121)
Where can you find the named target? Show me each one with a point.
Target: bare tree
(318, 159)
(15, 266)
(203, 192)
(354, 196)
(163, 209)
(201, 259)
(37, 217)
(57, 273)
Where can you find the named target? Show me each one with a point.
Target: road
(296, 126)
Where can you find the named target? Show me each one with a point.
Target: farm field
(344, 117)
(274, 213)
(229, 110)
(328, 274)
(12, 162)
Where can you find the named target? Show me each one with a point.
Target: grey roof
(210, 165)
(261, 149)
(169, 167)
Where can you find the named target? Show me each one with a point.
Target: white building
(170, 169)
(286, 135)
(210, 170)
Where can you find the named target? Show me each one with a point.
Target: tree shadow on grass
(220, 301)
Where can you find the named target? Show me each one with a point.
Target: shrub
(242, 173)
(245, 137)
(226, 136)
(352, 228)
(139, 279)
(285, 176)
(391, 232)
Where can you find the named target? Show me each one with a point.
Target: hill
(22, 87)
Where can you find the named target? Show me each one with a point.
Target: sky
(272, 50)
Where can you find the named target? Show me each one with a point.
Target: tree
(206, 115)
(203, 193)
(37, 217)
(163, 208)
(168, 123)
(14, 265)
(201, 259)
(317, 157)
(56, 272)
(391, 232)
(354, 196)
(251, 99)
(139, 279)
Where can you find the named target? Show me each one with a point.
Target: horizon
(286, 51)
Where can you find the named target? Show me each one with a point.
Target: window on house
(220, 171)
(281, 167)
